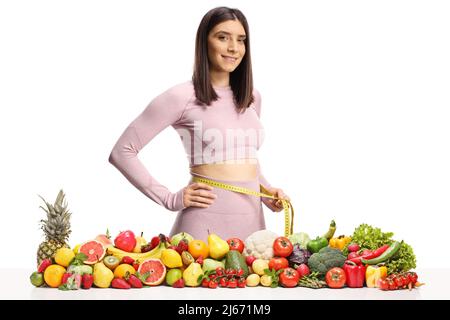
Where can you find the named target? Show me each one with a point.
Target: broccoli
(326, 259)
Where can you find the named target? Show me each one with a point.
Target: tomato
(335, 278)
(278, 263)
(282, 247)
(289, 278)
(236, 244)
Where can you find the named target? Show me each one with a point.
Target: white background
(355, 106)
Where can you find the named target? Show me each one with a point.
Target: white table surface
(16, 285)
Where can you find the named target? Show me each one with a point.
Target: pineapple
(56, 228)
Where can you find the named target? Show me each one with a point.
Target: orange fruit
(53, 275)
(122, 269)
(156, 271)
(198, 248)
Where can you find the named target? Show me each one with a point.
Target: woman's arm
(257, 105)
(163, 111)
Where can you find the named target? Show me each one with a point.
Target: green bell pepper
(317, 244)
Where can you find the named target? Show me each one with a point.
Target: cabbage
(301, 238)
(298, 256)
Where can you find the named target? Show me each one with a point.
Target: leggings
(231, 215)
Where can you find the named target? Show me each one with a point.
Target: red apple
(125, 241)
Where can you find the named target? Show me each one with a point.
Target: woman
(210, 113)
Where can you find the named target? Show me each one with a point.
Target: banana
(154, 253)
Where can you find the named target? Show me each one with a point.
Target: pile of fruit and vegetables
(367, 258)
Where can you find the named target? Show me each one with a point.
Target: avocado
(235, 260)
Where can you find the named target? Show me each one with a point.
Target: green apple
(211, 264)
(173, 275)
(176, 238)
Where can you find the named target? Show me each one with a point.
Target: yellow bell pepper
(373, 273)
(340, 242)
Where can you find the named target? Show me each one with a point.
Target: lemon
(171, 258)
(63, 256)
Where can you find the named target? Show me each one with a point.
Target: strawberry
(87, 281)
(178, 284)
(65, 276)
(199, 260)
(120, 283)
(128, 260)
(182, 246)
(134, 281)
(44, 264)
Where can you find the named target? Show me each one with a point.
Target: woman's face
(226, 46)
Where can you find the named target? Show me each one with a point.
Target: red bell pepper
(355, 274)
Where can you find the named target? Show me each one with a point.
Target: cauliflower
(260, 244)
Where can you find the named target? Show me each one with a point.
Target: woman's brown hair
(241, 79)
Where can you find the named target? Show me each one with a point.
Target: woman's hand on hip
(199, 195)
(275, 204)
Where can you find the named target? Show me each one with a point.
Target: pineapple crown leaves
(57, 225)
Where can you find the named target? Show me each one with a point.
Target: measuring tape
(287, 206)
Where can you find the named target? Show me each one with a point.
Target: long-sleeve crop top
(209, 134)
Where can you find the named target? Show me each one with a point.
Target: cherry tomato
(219, 271)
(289, 278)
(223, 282)
(335, 278)
(241, 282)
(282, 247)
(205, 283)
(392, 285)
(232, 283)
(278, 263)
(213, 284)
(239, 272)
(236, 244)
(383, 284)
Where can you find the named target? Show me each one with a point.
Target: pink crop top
(209, 134)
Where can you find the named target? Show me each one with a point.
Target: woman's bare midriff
(234, 170)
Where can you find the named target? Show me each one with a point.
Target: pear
(140, 241)
(191, 274)
(102, 275)
(218, 247)
(211, 265)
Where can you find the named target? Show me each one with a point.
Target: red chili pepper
(376, 253)
(355, 274)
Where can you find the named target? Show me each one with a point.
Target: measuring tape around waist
(287, 206)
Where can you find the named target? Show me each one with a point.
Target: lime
(37, 279)
(173, 275)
